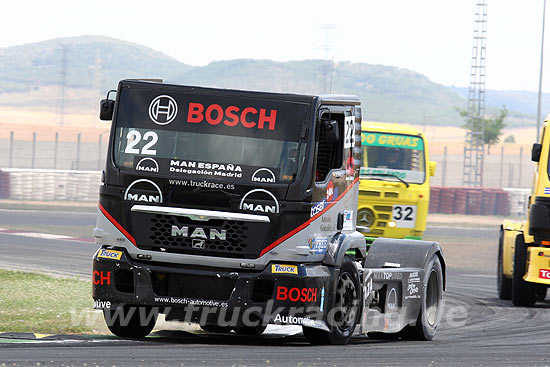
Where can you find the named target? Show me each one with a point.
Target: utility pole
(540, 74)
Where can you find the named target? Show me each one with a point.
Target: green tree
(491, 126)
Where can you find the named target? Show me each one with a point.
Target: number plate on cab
(404, 216)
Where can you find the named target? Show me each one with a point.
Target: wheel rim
(432, 299)
(346, 303)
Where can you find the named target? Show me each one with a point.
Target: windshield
(386, 155)
(235, 157)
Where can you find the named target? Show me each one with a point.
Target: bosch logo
(296, 294)
(163, 110)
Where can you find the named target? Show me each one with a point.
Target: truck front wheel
(523, 293)
(345, 308)
(432, 307)
(504, 284)
(131, 322)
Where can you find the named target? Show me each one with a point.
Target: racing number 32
(404, 215)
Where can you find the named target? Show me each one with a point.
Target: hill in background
(32, 75)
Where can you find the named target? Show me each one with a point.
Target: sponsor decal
(231, 116)
(547, 190)
(350, 164)
(318, 246)
(100, 305)
(544, 273)
(147, 165)
(163, 110)
(191, 301)
(131, 193)
(412, 288)
(263, 175)
(386, 275)
(110, 254)
(413, 277)
(296, 294)
(348, 220)
(259, 194)
(349, 132)
(205, 168)
(294, 320)
(198, 232)
(101, 277)
(318, 207)
(392, 141)
(392, 299)
(202, 184)
(284, 269)
(330, 191)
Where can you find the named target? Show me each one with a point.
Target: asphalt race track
(477, 329)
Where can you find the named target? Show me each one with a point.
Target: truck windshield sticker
(392, 140)
(409, 176)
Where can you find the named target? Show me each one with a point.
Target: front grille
(383, 208)
(192, 286)
(391, 194)
(369, 193)
(242, 239)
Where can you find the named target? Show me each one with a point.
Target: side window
(329, 153)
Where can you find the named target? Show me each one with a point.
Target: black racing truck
(237, 209)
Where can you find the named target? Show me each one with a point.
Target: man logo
(147, 165)
(259, 195)
(263, 175)
(163, 110)
(131, 193)
(199, 244)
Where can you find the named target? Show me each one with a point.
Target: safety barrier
(479, 201)
(49, 185)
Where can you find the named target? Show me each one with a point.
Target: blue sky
(433, 37)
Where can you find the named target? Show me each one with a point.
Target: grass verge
(37, 303)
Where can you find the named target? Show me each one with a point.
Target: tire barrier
(478, 201)
(49, 185)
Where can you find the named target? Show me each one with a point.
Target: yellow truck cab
(394, 189)
(523, 271)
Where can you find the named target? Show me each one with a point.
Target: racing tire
(216, 329)
(431, 309)
(504, 284)
(523, 293)
(131, 322)
(250, 330)
(345, 308)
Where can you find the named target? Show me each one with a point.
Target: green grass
(38, 303)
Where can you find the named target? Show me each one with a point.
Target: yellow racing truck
(394, 189)
(523, 271)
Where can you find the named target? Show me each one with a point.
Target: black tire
(504, 284)
(131, 322)
(432, 305)
(250, 330)
(523, 293)
(216, 329)
(542, 289)
(345, 308)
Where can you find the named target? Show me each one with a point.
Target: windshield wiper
(388, 175)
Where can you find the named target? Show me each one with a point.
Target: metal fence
(50, 152)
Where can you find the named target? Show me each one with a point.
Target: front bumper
(186, 292)
(538, 265)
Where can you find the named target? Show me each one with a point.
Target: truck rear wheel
(131, 322)
(504, 284)
(523, 293)
(345, 308)
(432, 307)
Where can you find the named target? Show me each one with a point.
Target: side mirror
(433, 165)
(330, 128)
(106, 108)
(535, 152)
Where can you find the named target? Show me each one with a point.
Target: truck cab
(236, 209)
(394, 189)
(523, 272)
